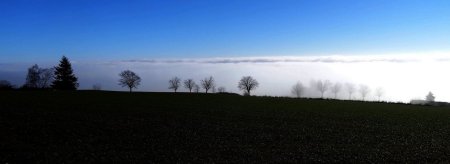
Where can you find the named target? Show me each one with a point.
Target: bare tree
(33, 77)
(46, 77)
(189, 84)
(221, 89)
(96, 87)
(364, 90)
(207, 83)
(298, 89)
(350, 89)
(336, 88)
(247, 83)
(196, 88)
(322, 86)
(129, 79)
(174, 83)
(213, 89)
(379, 92)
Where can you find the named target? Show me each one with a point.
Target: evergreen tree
(64, 77)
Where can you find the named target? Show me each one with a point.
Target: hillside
(88, 126)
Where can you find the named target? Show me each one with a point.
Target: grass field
(88, 126)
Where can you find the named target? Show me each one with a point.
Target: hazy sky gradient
(394, 44)
(43, 30)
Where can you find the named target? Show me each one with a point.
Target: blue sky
(43, 30)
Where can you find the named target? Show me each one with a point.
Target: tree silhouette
(33, 77)
(46, 77)
(6, 85)
(221, 89)
(129, 79)
(322, 86)
(189, 84)
(196, 88)
(174, 83)
(64, 77)
(207, 83)
(379, 92)
(247, 83)
(430, 97)
(336, 88)
(350, 89)
(298, 89)
(364, 90)
(96, 87)
(38, 77)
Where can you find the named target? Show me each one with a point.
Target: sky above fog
(401, 46)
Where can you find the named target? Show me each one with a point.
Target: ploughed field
(90, 126)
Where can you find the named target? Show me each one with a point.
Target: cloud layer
(403, 77)
(293, 59)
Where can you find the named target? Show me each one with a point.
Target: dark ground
(105, 127)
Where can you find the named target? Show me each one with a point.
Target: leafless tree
(33, 77)
(379, 92)
(174, 83)
(221, 89)
(196, 88)
(350, 89)
(247, 84)
(322, 86)
(213, 89)
(336, 88)
(46, 77)
(96, 87)
(298, 89)
(129, 79)
(189, 84)
(364, 90)
(207, 83)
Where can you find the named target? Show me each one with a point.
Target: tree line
(325, 86)
(131, 80)
(60, 77)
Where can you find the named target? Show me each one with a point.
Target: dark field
(93, 127)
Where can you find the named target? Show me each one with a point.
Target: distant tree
(174, 83)
(364, 90)
(64, 77)
(298, 89)
(33, 77)
(336, 88)
(221, 89)
(46, 77)
(350, 89)
(213, 89)
(129, 79)
(38, 77)
(207, 83)
(322, 86)
(189, 84)
(6, 85)
(247, 84)
(196, 88)
(430, 97)
(379, 92)
(96, 87)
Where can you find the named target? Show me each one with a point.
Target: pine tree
(64, 77)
